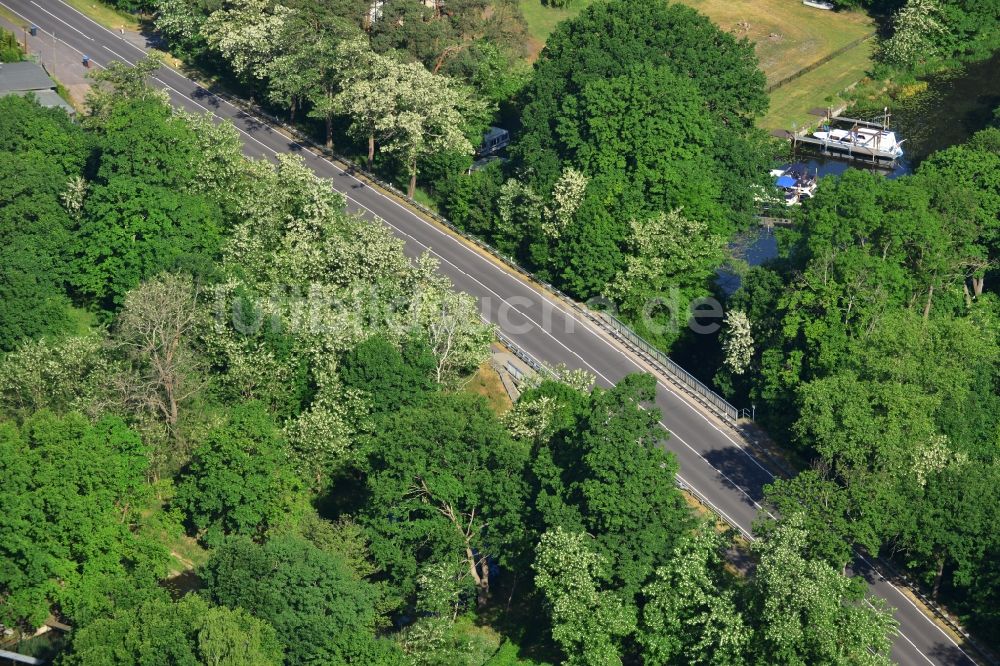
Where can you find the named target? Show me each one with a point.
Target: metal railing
(704, 501)
(528, 359)
(610, 324)
(673, 370)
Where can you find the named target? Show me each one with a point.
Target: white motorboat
(862, 141)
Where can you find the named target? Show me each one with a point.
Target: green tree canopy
(607, 39)
(42, 153)
(805, 612)
(391, 377)
(71, 499)
(237, 481)
(131, 230)
(322, 612)
(588, 622)
(188, 632)
(446, 484)
(605, 472)
(689, 616)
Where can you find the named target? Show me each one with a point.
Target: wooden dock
(868, 155)
(828, 116)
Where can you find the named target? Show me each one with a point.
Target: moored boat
(870, 141)
(794, 183)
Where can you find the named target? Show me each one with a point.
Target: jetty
(869, 141)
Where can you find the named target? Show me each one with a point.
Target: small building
(495, 139)
(24, 78)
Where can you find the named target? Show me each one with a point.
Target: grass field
(787, 34)
(790, 104)
(487, 383)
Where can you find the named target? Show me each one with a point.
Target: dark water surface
(953, 106)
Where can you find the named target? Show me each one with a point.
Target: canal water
(950, 108)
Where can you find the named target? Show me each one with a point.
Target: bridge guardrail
(610, 324)
(530, 360)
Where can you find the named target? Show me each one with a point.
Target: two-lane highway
(712, 459)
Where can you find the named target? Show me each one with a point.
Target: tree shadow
(738, 471)
(179, 585)
(950, 655)
(205, 97)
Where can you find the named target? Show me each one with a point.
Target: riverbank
(939, 109)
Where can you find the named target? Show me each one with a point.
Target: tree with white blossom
(587, 621)
(567, 194)
(368, 92)
(917, 28)
(425, 117)
(247, 34)
(737, 341)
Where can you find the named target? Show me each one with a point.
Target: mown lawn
(790, 104)
(542, 21)
(787, 34)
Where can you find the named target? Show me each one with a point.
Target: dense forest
(876, 356)
(206, 355)
(234, 427)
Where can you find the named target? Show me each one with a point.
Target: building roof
(50, 99)
(22, 76)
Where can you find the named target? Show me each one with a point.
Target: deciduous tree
(805, 612)
(323, 614)
(588, 622)
(236, 482)
(446, 483)
(689, 617)
(188, 632)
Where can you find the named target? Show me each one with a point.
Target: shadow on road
(735, 473)
(251, 124)
(950, 655)
(205, 98)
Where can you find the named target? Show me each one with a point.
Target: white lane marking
(71, 27)
(50, 34)
(466, 247)
(573, 316)
(896, 589)
(119, 56)
(904, 637)
(721, 473)
(74, 9)
(719, 511)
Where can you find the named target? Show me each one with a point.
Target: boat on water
(795, 183)
(869, 141)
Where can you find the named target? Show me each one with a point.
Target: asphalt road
(713, 460)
